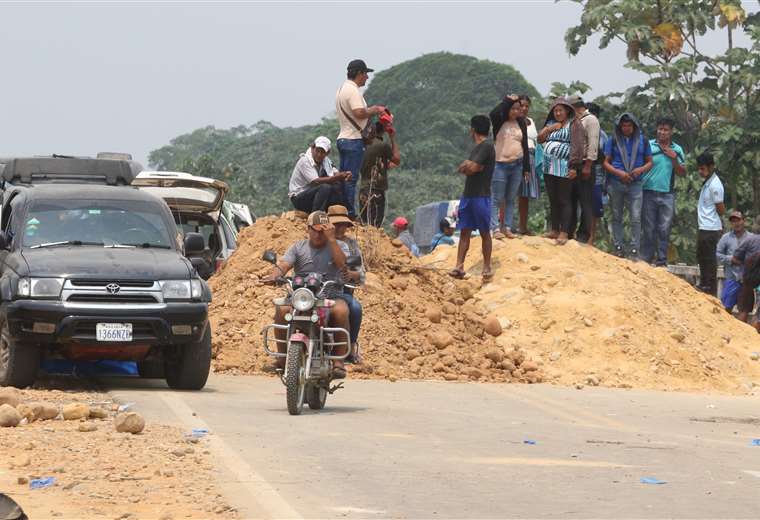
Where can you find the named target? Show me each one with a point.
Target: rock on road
(449, 450)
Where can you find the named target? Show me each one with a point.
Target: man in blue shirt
(627, 157)
(659, 197)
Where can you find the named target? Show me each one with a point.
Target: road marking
(359, 510)
(270, 501)
(752, 472)
(396, 435)
(526, 461)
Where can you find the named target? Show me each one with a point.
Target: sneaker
(634, 255)
(619, 252)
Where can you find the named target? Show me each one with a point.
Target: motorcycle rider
(321, 253)
(339, 218)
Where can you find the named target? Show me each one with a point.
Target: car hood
(100, 263)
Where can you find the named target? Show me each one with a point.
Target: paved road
(450, 450)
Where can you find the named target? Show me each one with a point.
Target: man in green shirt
(658, 206)
(378, 157)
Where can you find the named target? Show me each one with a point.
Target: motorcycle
(309, 340)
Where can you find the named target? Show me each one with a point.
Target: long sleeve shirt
(727, 246)
(591, 127)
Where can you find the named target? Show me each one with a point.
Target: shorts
(597, 203)
(474, 213)
(730, 294)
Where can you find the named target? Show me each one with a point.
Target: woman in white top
(529, 187)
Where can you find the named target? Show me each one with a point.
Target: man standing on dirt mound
(475, 204)
(354, 118)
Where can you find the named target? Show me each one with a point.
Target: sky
(84, 77)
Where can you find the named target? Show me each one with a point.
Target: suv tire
(189, 368)
(19, 363)
(153, 369)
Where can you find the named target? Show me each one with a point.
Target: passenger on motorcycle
(339, 218)
(320, 253)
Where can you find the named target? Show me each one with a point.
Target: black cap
(358, 66)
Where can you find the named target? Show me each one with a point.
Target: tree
(713, 98)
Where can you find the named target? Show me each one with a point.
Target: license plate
(113, 331)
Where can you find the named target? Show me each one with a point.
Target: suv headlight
(303, 299)
(196, 289)
(176, 289)
(39, 287)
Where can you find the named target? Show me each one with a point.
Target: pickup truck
(92, 268)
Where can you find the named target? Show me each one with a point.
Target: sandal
(551, 234)
(509, 234)
(339, 373)
(487, 276)
(457, 273)
(498, 235)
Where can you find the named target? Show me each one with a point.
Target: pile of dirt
(69, 440)
(419, 323)
(571, 315)
(590, 318)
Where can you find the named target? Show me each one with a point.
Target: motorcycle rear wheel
(316, 396)
(295, 380)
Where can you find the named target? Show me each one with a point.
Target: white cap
(323, 143)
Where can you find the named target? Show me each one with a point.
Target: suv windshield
(103, 222)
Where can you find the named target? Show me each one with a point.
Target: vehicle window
(229, 237)
(107, 222)
(7, 213)
(206, 229)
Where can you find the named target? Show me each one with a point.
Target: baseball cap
(575, 100)
(338, 214)
(317, 220)
(359, 66)
(323, 143)
(400, 222)
(736, 214)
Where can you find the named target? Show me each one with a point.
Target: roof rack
(68, 170)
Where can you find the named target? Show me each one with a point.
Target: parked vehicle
(239, 215)
(93, 269)
(196, 203)
(309, 344)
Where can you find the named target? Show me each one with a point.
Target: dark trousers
(707, 243)
(318, 197)
(372, 207)
(583, 196)
(560, 192)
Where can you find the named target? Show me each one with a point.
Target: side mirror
(194, 243)
(354, 261)
(269, 256)
(5, 242)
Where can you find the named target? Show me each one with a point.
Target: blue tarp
(90, 368)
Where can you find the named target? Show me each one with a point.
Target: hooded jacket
(577, 133)
(618, 141)
(499, 115)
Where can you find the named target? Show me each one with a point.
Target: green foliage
(432, 97)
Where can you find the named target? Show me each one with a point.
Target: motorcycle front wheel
(295, 379)
(316, 396)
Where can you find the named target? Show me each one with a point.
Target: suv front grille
(112, 298)
(103, 283)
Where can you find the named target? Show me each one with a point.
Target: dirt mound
(591, 318)
(418, 322)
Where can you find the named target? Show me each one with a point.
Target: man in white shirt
(353, 116)
(710, 208)
(315, 184)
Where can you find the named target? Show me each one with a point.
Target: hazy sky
(85, 77)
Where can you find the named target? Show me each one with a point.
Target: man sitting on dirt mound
(320, 253)
(315, 183)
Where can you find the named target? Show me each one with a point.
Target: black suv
(93, 269)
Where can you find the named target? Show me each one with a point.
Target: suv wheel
(18, 363)
(188, 369)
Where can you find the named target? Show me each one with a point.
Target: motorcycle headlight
(39, 287)
(176, 289)
(303, 299)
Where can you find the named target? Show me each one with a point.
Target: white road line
(269, 500)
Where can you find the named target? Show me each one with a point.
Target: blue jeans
(351, 156)
(354, 315)
(505, 184)
(656, 222)
(622, 195)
